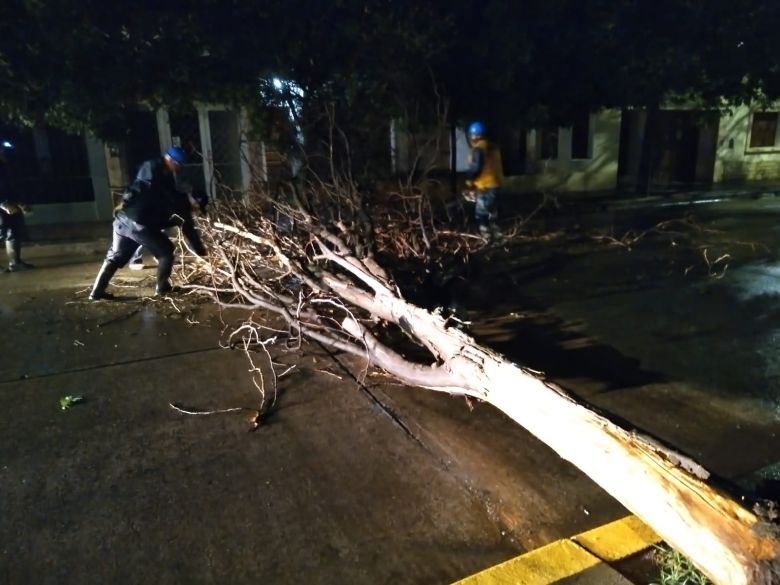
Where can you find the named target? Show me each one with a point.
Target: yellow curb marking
(544, 565)
(619, 539)
(567, 557)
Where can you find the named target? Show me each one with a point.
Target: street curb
(66, 248)
(582, 559)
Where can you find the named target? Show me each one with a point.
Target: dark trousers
(12, 227)
(486, 210)
(128, 236)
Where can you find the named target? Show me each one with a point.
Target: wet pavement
(337, 485)
(374, 482)
(655, 335)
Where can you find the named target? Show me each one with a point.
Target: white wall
(461, 150)
(598, 172)
(735, 161)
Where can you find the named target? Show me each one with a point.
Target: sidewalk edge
(570, 556)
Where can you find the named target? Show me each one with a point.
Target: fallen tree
(311, 254)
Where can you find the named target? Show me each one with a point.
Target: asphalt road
(371, 482)
(675, 332)
(343, 483)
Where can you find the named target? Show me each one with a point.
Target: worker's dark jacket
(153, 202)
(12, 225)
(6, 189)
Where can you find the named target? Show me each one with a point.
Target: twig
(330, 374)
(190, 411)
(254, 420)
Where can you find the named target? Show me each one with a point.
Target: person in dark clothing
(13, 229)
(199, 202)
(151, 204)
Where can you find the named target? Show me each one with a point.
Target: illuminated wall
(748, 146)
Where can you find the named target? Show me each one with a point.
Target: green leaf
(67, 401)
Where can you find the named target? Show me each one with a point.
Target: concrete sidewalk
(71, 240)
(580, 203)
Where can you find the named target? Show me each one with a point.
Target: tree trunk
(648, 151)
(729, 543)
(345, 294)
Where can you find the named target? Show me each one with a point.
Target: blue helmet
(476, 129)
(177, 154)
(6, 148)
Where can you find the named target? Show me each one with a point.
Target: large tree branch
(342, 296)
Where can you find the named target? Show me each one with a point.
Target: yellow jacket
(490, 173)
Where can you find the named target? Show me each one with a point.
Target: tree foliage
(81, 65)
(563, 57)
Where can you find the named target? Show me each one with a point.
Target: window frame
(763, 149)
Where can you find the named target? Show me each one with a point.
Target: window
(577, 141)
(763, 130)
(514, 151)
(49, 166)
(225, 150)
(580, 137)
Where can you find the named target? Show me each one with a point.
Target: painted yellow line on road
(619, 539)
(571, 556)
(544, 565)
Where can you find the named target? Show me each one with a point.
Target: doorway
(212, 137)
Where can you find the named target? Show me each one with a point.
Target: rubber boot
(101, 282)
(164, 269)
(163, 288)
(14, 250)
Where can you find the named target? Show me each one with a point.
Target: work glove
(198, 202)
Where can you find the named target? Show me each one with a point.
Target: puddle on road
(758, 279)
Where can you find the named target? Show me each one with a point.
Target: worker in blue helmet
(174, 158)
(13, 229)
(151, 204)
(485, 176)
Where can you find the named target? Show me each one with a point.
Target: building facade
(748, 147)
(581, 157)
(67, 178)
